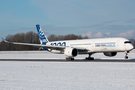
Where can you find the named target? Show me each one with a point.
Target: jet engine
(110, 54)
(71, 52)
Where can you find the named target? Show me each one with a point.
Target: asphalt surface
(76, 60)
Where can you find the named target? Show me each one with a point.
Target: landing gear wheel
(126, 57)
(69, 59)
(72, 59)
(89, 58)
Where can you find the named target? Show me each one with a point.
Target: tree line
(32, 37)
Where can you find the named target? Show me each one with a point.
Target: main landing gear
(87, 58)
(126, 56)
(69, 59)
(90, 58)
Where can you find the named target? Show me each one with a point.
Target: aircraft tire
(70, 59)
(126, 57)
(89, 58)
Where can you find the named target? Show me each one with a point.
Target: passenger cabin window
(127, 42)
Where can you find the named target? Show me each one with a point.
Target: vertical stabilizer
(42, 37)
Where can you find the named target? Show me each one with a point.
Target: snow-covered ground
(45, 75)
(21, 75)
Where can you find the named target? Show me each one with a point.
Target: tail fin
(42, 37)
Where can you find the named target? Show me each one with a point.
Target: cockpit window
(127, 42)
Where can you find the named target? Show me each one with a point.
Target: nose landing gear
(126, 52)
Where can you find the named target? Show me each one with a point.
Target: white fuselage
(97, 45)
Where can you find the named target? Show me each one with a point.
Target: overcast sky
(92, 18)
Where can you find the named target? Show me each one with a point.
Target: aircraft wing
(45, 46)
(37, 45)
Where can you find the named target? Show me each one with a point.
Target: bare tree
(55, 37)
(29, 37)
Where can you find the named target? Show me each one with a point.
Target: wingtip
(3, 39)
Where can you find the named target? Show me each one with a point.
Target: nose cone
(131, 47)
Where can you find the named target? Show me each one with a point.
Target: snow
(21, 75)
(45, 75)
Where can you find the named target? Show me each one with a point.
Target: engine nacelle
(71, 52)
(110, 54)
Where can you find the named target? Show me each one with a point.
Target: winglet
(3, 39)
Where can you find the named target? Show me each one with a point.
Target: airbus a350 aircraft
(71, 48)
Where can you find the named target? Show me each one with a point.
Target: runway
(76, 60)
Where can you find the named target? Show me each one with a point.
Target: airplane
(71, 48)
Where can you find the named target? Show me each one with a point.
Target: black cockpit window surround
(127, 42)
